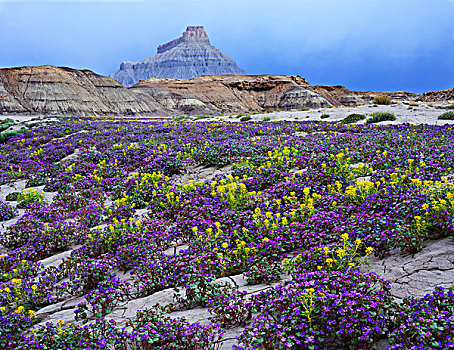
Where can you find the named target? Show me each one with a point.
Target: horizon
(379, 46)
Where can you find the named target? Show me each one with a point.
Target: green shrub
(7, 121)
(378, 117)
(202, 117)
(30, 196)
(5, 136)
(304, 109)
(36, 181)
(414, 104)
(450, 106)
(382, 100)
(324, 116)
(245, 118)
(447, 116)
(266, 119)
(12, 196)
(4, 126)
(353, 118)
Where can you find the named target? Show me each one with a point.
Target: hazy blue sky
(362, 44)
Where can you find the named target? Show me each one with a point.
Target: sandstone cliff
(187, 57)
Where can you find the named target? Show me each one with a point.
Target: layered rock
(187, 57)
(368, 96)
(338, 95)
(66, 91)
(239, 93)
(435, 96)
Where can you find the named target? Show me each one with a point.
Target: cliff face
(66, 91)
(338, 95)
(187, 57)
(239, 93)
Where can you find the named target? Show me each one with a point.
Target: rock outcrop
(338, 95)
(52, 90)
(238, 93)
(187, 57)
(368, 96)
(65, 91)
(417, 274)
(435, 96)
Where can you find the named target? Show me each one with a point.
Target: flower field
(296, 211)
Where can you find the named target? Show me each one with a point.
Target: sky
(362, 44)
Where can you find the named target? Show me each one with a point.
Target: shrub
(245, 118)
(450, 106)
(353, 118)
(11, 197)
(325, 116)
(36, 181)
(5, 136)
(304, 109)
(447, 116)
(5, 126)
(378, 117)
(382, 100)
(6, 121)
(266, 119)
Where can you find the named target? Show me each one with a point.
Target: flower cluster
(299, 206)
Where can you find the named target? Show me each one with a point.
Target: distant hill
(187, 57)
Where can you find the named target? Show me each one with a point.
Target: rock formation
(338, 95)
(65, 91)
(187, 57)
(368, 96)
(435, 96)
(238, 93)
